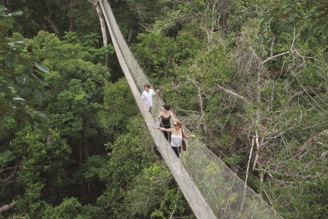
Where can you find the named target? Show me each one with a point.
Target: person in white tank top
(176, 136)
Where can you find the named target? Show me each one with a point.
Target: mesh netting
(210, 187)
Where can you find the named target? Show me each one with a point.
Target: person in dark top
(165, 117)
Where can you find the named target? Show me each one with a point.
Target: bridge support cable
(196, 201)
(210, 187)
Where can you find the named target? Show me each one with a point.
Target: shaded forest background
(242, 75)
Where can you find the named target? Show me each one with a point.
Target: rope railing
(210, 187)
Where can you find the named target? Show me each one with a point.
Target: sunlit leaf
(19, 100)
(21, 42)
(16, 13)
(42, 68)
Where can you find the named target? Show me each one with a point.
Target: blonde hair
(178, 123)
(180, 126)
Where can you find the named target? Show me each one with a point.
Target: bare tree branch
(8, 168)
(246, 178)
(284, 53)
(201, 106)
(14, 168)
(258, 147)
(233, 93)
(52, 24)
(275, 56)
(7, 207)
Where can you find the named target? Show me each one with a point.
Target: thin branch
(8, 168)
(275, 56)
(233, 93)
(14, 168)
(284, 53)
(257, 149)
(293, 43)
(246, 177)
(201, 105)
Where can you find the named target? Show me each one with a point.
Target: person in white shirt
(147, 96)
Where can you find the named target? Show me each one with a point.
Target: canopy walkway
(210, 187)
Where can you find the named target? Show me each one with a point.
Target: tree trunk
(101, 20)
(52, 24)
(7, 207)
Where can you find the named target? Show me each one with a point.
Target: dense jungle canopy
(242, 75)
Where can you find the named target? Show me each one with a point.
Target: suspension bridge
(209, 186)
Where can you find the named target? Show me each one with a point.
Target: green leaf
(23, 79)
(12, 43)
(9, 59)
(5, 157)
(42, 68)
(39, 79)
(40, 115)
(20, 123)
(2, 8)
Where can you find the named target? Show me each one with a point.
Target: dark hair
(167, 107)
(147, 85)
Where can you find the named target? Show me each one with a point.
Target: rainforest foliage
(250, 78)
